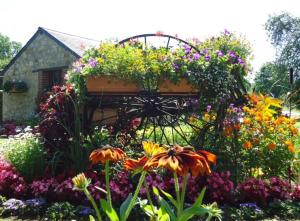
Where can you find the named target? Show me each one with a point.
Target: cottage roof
(74, 44)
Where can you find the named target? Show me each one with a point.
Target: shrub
(27, 155)
(60, 211)
(254, 191)
(279, 189)
(11, 183)
(44, 188)
(220, 187)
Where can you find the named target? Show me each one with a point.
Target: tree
(8, 49)
(272, 79)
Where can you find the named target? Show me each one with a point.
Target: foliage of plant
(198, 165)
(14, 86)
(11, 183)
(60, 211)
(254, 191)
(284, 209)
(258, 140)
(279, 189)
(8, 49)
(220, 188)
(272, 79)
(217, 68)
(14, 207)
(245, 212)
(27, 155)
(61, 128)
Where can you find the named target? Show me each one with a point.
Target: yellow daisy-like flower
(152, 148)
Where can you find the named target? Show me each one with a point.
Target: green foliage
(8, 49)
(242, 214)
(27, 155)
(14, 86)
(284, 32)
(284, 209)
(60, 211)
(272, 79)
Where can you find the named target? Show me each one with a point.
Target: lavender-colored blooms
(187, 49)
(92, 62)
(231, 54)
(207, 57)
(208, 108)
(175, 66)
(85, 211)
(251, 205)
(220, 54)
(204, 51)
(226, 32)
(36, 202)
(241, 62)
(196, 56)
(13, 205)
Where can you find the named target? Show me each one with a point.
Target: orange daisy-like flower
(210, 157)
(137, 165)
(272, 146)
(247, 145)
(180, 160)
(107, 153)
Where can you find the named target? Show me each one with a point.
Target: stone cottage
(41, 63)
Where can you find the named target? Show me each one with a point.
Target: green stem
(183, 191)
(107, 183)
(177, 190)
(149, 199)
(135, 195)
(91, 199)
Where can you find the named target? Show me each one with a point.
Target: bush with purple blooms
(254, 191)
(220, 188)
(279, 189)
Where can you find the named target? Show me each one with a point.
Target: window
(50, 78)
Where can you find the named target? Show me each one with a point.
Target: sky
(105, 19)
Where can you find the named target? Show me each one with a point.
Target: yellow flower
(246, 120)
(80, 181)
(152, 148)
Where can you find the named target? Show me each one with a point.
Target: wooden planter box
(167, 86)
(105, 83)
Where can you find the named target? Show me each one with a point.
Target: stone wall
(42, 53)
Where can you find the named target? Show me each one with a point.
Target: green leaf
(148, 210)
(124, 206)
(91, 218)
(191, 212)
(155, 191)
(164, 204)
(110, 212)
(163, 215)
(170, 197)
(199, 199)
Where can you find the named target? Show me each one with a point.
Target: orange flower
(107, 153)
(246, 120)
(132, 164)
(272, 146)
(294, 130)
(290, 145)
(247, 145)
(210, 157)
(180, 160)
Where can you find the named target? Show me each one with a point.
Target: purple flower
(208, 108)
(226, 32)
(92, 62)
(220, 54)
(207, 57)
(187, 49)
(196, 56)
(241, 62)
(204, 51)
(175, 66)
(231, 54)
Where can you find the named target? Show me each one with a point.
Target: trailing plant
(217, 68)
(15, 86)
